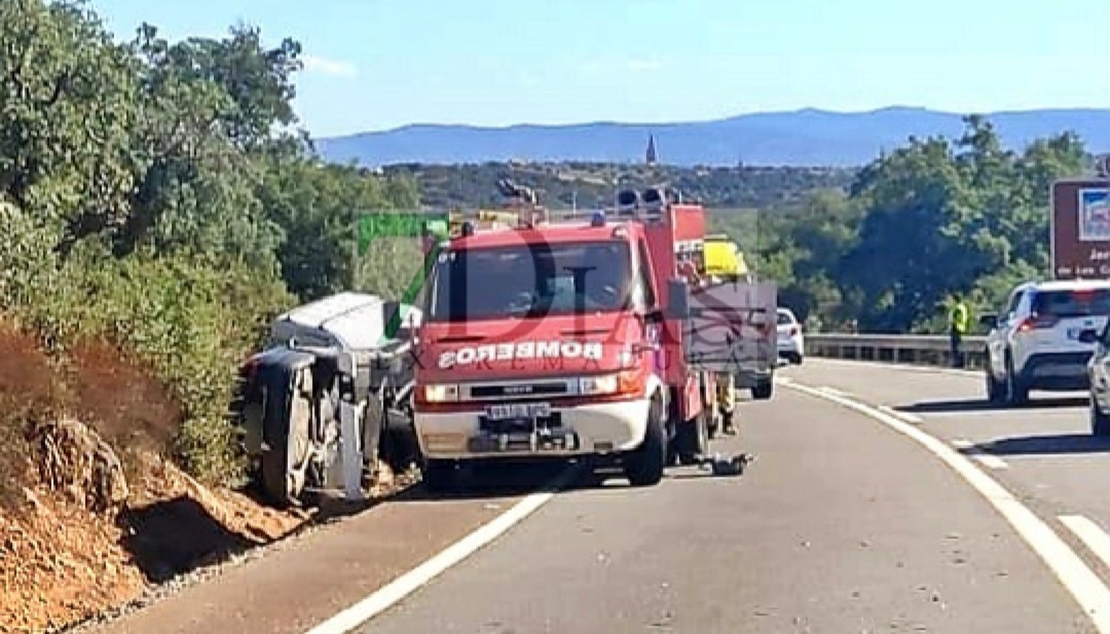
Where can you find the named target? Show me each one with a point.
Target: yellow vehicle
(723, 259)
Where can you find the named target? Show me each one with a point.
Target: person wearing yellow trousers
(726, 403)
(957, 328)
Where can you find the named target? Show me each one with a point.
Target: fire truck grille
(501, 391)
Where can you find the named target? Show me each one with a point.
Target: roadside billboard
(1080, 228)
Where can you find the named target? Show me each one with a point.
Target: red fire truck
(585, 339)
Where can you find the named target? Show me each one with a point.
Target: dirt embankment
(90, 513)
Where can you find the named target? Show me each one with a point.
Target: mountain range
(808, 137)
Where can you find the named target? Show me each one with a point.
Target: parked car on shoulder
(791, 342)
(1098, 377)
(1036, 343)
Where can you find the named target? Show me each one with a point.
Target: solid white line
(986, 459)
(990, 462)
(406, 584)
(1090, 534)
(906, 416)
(1086, 588)
(832, 390)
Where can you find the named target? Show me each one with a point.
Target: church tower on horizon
(651, 150)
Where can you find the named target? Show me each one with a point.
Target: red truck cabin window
(524, 280)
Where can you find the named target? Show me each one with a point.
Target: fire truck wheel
(763, 390)
(693, 440)
(646, 464)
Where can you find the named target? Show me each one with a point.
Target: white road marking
(906, 416)
(1090, 534)
(832, 390)
(1086, 588)
(990, 462)
(987, 460)
(388, 595)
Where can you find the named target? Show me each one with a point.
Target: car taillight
(793, 331)
(1037, 322)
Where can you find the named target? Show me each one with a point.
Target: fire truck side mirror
(678, 299)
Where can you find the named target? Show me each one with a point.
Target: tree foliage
(933, 217)
(157, 194)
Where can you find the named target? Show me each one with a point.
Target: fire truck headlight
(441, 393)
(604, 384)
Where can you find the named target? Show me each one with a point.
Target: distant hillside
(562, 185)
(801, 138)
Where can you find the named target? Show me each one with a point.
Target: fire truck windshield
(530, 281)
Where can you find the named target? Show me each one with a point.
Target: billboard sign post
(1080, 229)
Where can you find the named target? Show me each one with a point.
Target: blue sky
(377, 64)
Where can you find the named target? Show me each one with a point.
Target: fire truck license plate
(518, 410)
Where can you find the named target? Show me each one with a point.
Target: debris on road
(721, 466)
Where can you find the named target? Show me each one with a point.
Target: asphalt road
(842, 525)
(1042, 452)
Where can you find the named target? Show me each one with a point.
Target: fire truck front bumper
(534, 430)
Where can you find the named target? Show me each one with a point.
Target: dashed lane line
(1074, 574)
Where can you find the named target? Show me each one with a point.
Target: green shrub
(194, 325)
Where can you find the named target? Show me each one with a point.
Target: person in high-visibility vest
(957, 328)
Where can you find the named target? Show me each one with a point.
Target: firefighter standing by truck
(723, 262)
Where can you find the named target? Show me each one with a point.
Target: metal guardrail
(910, 349)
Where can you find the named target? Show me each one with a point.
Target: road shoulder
(310, 579)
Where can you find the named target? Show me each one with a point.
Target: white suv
(1034, 344)
(791, 343)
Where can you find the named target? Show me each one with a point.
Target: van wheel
(645, 465)
(286, 431)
